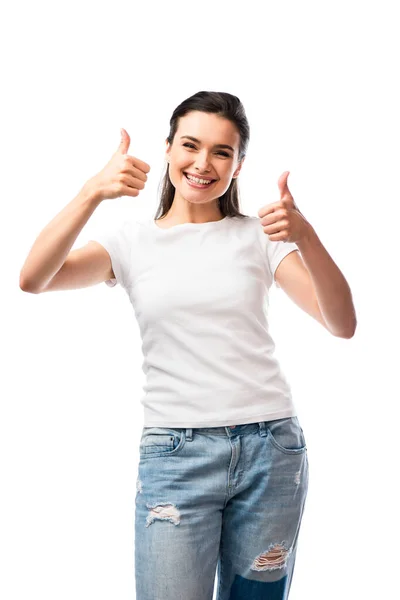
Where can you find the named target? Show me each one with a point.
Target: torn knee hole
(274, 558)
(164, 512)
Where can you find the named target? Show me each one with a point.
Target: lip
(200, 176)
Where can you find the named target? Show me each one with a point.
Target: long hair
(224, 105)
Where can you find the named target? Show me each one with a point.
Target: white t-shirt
(200, 296)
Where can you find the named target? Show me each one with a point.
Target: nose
(202, 163)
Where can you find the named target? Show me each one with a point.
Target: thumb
(125, 141)
(282, 183)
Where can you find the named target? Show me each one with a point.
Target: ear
(167, 150)
(238, 169)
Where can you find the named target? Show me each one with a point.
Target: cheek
(180, 165)
(176, 166)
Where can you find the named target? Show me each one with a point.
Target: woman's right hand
(123, 175)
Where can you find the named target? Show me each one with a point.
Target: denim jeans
(225, 501)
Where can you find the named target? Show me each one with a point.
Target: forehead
(209, 128)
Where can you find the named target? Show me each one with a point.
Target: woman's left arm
(283, 221)
(331, 288)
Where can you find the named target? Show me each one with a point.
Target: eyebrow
(190, 137)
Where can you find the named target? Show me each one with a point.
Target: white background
(319, 82)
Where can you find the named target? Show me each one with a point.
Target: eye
(188, 144)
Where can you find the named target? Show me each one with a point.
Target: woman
(223, 470)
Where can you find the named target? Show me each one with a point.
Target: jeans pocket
(161, 441)
(286, 435)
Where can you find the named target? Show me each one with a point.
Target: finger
(279, 237)
(283, 185)
(125, 141)
(277, 227)
(268, 209)
(139, 164)
(270, 219)
(130, 191)
(135, 172)
(133, 182)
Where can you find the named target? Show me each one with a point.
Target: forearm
(55, 241)
(332, 290)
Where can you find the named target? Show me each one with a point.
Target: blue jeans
(219, 500)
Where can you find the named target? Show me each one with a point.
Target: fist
(282, 221)
(123, 175)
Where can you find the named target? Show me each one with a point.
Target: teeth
(197, 180)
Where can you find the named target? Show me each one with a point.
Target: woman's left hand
(283, 221)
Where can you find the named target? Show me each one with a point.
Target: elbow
(25, 287)
(352, 334)
(353, 330)
(27, 290)
(347, 335)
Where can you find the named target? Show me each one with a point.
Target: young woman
(223, 470)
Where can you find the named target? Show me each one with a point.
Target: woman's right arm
(50, 265)
(55, 241)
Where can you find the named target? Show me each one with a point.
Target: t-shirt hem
(290, 412)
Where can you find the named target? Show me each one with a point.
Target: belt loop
(188, 435)
(262, 427)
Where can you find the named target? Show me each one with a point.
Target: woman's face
(203, 157)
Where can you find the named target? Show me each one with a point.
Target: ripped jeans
(225, 501)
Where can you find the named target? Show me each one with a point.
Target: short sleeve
(276, 252)
(117, 240)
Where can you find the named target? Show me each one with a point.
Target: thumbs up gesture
(282, 220)
(123, 175)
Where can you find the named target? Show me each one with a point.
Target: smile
(198, 182)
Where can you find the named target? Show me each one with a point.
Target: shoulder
(245, 221)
